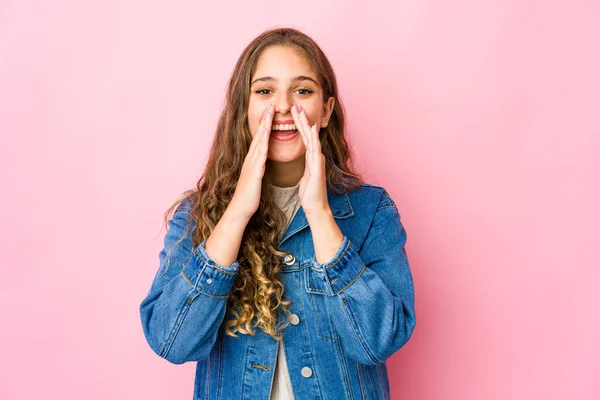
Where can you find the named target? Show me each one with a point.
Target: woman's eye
(265, 92)
(262, 91)
(304, 91)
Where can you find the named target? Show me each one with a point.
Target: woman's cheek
(312, 113)
(312, 118)
(254, 116)
(253, 121)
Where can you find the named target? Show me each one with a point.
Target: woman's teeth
(283, 127)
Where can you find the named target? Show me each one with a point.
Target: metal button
(294, 319)
(289, 259)
(209, 281)
(306, 372)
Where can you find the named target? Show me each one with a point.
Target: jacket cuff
(336, 275)
(206, 275)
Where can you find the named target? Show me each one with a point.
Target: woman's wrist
(326, 234)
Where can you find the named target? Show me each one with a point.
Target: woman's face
(284, 78)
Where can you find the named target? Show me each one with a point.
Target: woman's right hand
(246, 197)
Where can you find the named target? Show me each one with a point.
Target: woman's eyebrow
(294, 79)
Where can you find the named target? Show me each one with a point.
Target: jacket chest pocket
(316, 298)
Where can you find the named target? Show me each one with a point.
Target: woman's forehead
(283, 63)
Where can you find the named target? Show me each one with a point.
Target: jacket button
(306, 372)
(289, 259)
(294, 319)
(209, 281)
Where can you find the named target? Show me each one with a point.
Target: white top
(287, 199)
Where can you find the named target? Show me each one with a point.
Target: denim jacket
(348, 315)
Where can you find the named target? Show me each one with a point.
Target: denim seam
(286, 236)
(344, 368)
(221, 362)
(244, 373)
(360, 336)
(363, 388)
(341, 256)
(385, 198)
(194, 284)
(308, 342)
(199, 273)
(212, 295)
(308, 285)
(333, 330)
(293, 233)
(316, 313)
(379, 381)
(168, 255)
(353, 280)
(208, 377)
(185, 276)
(216, 267)
(314, 365)
(168, 264)
(370, 375)
(177, 325)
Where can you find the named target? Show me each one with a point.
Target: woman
(282, 274)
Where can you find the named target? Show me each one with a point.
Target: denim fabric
(351, 313)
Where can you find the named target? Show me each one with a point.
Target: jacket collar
(340, 208)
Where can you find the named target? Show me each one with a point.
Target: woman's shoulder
(372, 187)
(366, 189)
(187, 201)
(368, 192)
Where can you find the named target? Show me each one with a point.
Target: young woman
(283, 274)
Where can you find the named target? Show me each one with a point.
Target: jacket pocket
(316, 298)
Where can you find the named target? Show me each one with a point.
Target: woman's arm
(187, 300)
(369, 295)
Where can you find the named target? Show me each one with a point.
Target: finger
(302, 128)
(268, 122)
(316, 140)
(266, 133)
(259, 135)
(298, 123)
(306, 125)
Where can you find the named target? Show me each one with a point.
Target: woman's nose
(283, 103)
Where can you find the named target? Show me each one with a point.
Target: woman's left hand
(313, 184)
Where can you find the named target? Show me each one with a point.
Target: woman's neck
(285, 174)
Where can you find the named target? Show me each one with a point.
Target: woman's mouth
(284, 132)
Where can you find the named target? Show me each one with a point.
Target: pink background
(480, 117)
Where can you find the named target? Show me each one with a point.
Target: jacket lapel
(340, 208)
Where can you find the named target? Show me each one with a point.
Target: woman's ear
(327, 111)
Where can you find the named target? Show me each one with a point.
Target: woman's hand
(246, 197)
(313, 184)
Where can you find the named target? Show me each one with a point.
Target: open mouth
(283, 127)
(284, 132)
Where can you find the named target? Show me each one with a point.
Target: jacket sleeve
(369, 294)
(187, 300)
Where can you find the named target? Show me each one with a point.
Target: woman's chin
(280, 159)
(284, 157)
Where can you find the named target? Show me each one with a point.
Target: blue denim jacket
(348, 315)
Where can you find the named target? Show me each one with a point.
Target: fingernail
(270, 107)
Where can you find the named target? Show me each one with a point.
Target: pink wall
(481, 118)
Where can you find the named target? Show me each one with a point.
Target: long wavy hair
(257, 293)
